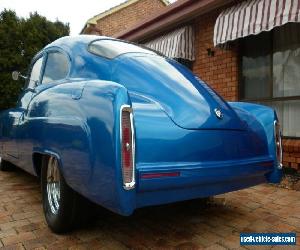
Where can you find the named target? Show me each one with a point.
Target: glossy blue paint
(77, 119)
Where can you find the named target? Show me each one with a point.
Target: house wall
(128, 16)
(220, 70)
(221, 73)
(291, 153)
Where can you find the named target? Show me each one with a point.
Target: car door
(55, 68)
(10, 122)
(11, 126)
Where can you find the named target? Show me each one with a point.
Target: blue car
(105, 121)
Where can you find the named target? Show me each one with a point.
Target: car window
(35, 73)
(113, 48)
(57, 67)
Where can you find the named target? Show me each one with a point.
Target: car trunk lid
(187, 100)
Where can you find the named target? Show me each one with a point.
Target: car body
(182, 140)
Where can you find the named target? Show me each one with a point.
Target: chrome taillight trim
(127, 108)
(279, 136)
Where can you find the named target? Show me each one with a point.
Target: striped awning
(176, 44)
(254, 16)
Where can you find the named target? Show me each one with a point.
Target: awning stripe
(176, 44)
(254, 16)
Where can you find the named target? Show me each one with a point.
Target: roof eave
(178, 12)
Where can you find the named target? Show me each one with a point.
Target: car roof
(76, 44)
(72, 41)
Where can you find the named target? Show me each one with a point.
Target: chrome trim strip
(128, 185)
(279, 161)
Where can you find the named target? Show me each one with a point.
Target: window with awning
(270, 74)
(178, 44)
(269, 55)
(253, 17)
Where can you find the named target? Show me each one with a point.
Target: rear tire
(63, 207)
(4, 165)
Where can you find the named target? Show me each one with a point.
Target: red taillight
(278, 143)
(127, 147)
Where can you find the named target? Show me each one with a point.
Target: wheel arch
(39, 155)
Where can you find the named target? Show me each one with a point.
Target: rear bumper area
(166, 196)
(169, 183)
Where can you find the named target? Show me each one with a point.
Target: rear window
(113, 48)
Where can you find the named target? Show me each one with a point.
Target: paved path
(187, 225)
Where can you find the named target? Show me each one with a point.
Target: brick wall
(220, 70)
(221, 73)
(128, 16)
(291, 153)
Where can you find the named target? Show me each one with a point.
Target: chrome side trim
(279, 161)
(128, 185)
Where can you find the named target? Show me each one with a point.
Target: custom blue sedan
(105, 121)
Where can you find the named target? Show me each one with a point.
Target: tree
(20, 40)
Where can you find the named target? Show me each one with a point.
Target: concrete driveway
(187, 225)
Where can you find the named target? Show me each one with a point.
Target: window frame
(241, 86)
(55, 50)
(44, 54)
(157, 53)
(33, 62)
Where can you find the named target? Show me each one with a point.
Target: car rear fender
(79, 121)
(266, 117)
(101, 102)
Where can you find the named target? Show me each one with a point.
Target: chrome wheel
(53, 185)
